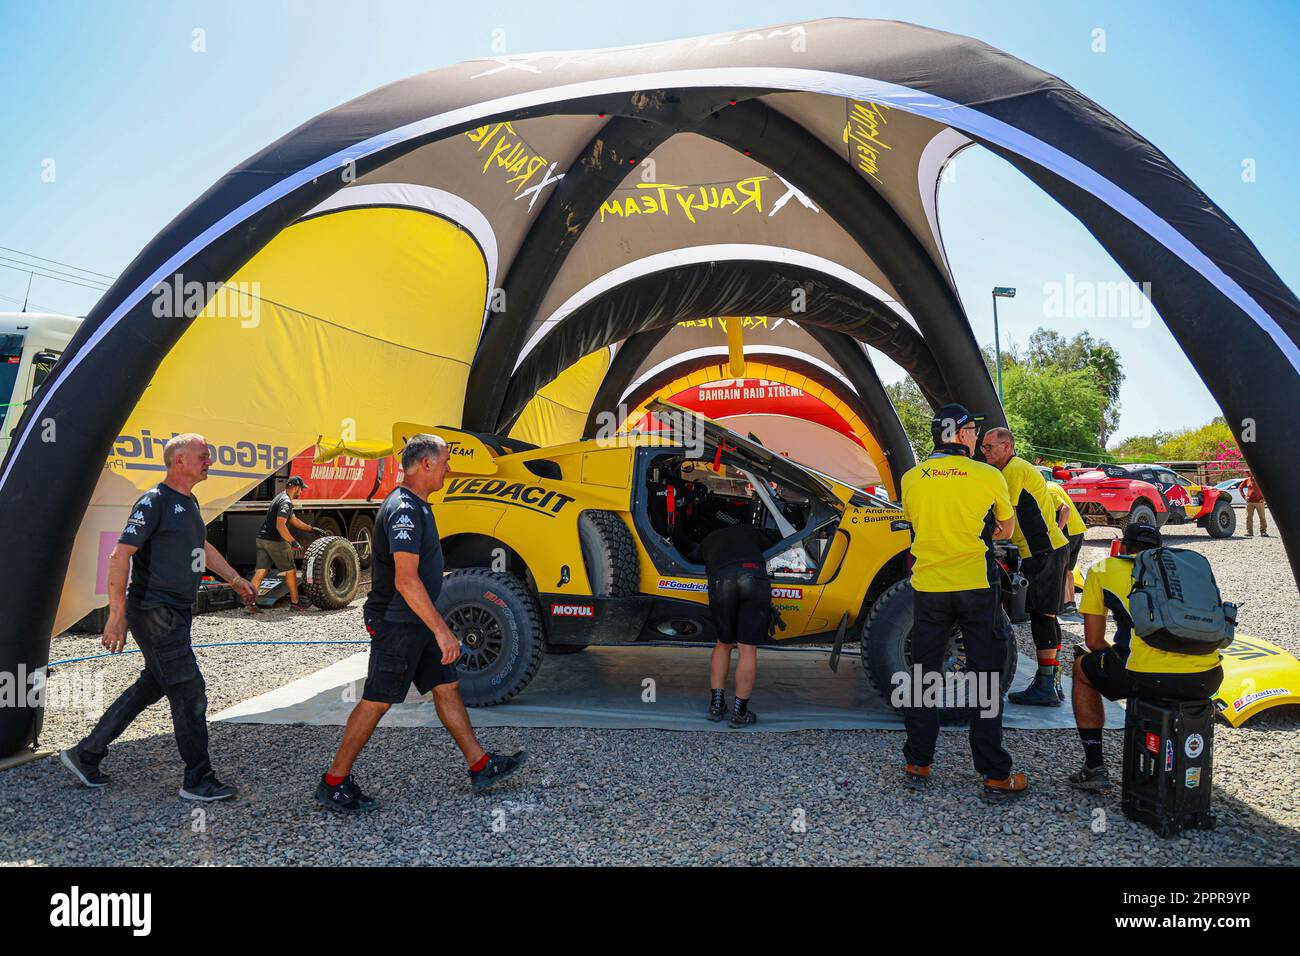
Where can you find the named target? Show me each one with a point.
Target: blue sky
(138, 124)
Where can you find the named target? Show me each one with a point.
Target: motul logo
(793, 594)
(572, 610)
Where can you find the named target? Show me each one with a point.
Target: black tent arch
(1233, 316)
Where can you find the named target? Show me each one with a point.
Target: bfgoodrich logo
(77, 909)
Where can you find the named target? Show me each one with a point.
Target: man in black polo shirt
(164, 544)
(410, 643)
(275, 540)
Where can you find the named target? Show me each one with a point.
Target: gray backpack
(1175, 602)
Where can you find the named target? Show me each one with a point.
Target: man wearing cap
(275, 542)
(956, 507)
(1130, 667)
(1044, 553)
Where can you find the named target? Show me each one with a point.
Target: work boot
(1090, 778)
(1041, 693)
(1003, 791)
(916, 775)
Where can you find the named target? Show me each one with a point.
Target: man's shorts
(1076, 545)
(740, 603)
(1105, 671)
(1044, 595)
(274, 554)
(401, 655)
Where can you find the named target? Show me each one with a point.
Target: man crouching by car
(410, 643)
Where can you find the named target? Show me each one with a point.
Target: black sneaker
(742, 720)
(346, 797)
(717, 712)
(87, 773)
(1090, 778)
(209, 790)
(499, 766)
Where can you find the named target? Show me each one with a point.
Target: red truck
(1119, 495)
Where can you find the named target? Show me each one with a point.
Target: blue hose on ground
(136, 650)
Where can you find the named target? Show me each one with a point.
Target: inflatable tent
(507, 242)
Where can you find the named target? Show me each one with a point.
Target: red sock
(479, 764)
(1047, 658)
(333, 781)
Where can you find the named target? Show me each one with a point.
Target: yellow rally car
(553, 549)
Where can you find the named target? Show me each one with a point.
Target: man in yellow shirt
(1130, 667)
(955, 506)
(1043, 556)
(1071, 522)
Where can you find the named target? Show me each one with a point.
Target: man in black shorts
(1130, 667)
(740, 602)
(275, 540)
(410, 643)
(1044, 552)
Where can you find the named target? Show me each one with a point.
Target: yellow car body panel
(537, 518)
(1257, 675)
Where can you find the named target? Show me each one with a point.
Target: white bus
(30, 344)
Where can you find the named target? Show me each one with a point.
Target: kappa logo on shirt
(403, 536)
(404, 522)
(404, 504)
(146, 501)
(137, 518)
(130, 529)
(178, 509)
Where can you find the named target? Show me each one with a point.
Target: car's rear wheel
(1139, 514)
(1222, 523)
(331, 573)
(498, 623)
(887, 647)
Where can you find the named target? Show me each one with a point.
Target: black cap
(1142, 536)
(295, 482)
(952, 416)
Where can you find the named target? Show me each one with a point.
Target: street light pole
(999, 292)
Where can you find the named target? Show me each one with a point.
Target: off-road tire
(361, 532)
(331, 573)
(500, 628)
(1222, 522)
(886, 640)
(609, 554)
(1139, 514)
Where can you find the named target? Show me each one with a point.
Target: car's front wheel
(496, 618)
(887, 650)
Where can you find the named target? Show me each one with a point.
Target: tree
(915, 414)
(1054, 413)
(1050, 349)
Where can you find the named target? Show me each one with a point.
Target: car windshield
(11, 353)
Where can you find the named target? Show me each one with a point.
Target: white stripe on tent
(723, 252)
(758, 351)
(764, 78)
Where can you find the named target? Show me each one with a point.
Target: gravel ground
(613, 797)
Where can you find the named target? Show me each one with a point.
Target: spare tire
(609, 554)
(496, 618)
(887, 646)
(331, 572)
